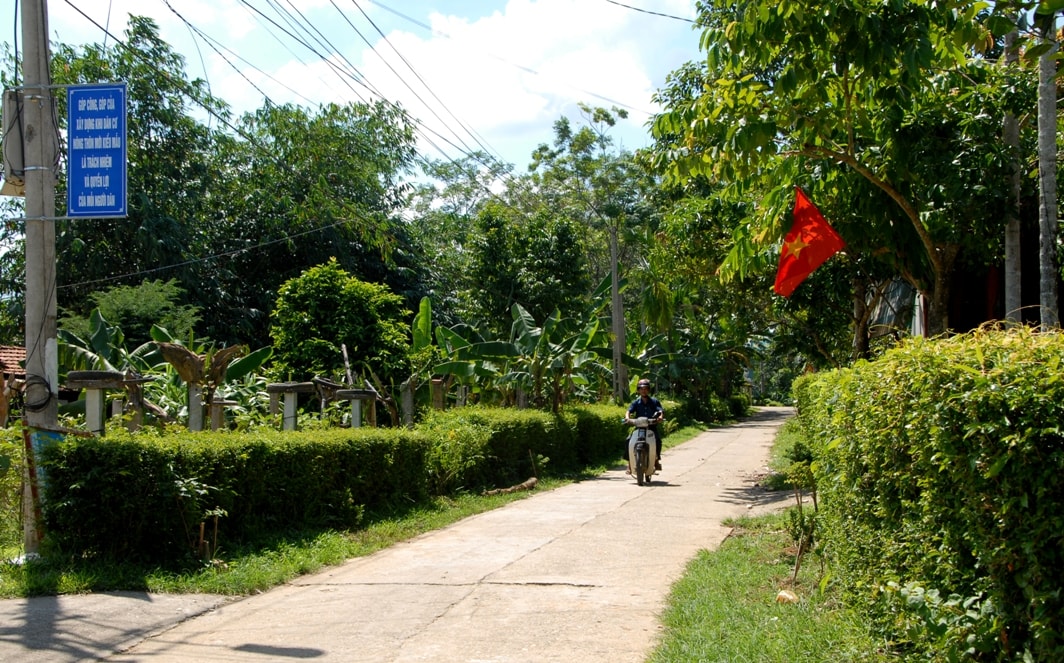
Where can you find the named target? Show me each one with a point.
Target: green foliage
(138, 496)
(888, 113)
(136, 309)
(538, 263)
(311, 185)
(102, 348)
(323, 310)
(954, 628)
(142, 496)
(551, 363)
(477, 447)
(939, 466)
(11, 450)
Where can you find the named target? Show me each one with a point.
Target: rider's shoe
(627, 470)
(657, 465)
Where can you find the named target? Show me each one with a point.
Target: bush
(477, 447)
(143, 497)
(939, 467)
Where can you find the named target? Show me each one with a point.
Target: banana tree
(103, 350)
(548, 362)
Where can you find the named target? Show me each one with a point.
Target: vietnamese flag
(810, 242)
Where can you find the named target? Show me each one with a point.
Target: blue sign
(96, 149)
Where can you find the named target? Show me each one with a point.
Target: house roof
(12, 358)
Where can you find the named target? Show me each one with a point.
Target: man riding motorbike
(647, 406)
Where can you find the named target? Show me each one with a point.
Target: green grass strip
(725, 608)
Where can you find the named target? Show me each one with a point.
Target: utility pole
(40, 145)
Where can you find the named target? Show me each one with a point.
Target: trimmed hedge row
(477, 447)
(143, 496)
(940, 468)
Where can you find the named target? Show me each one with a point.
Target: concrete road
(576, 574)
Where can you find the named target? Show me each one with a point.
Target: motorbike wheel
(640, 466)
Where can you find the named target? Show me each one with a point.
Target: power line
(519, 67)
(384, 38)
(646, 11)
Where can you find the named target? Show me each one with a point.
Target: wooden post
(439, 393)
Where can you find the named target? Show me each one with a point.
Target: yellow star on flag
(795, 246)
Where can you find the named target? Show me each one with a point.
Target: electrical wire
(420, 126)
(519, 67)
(215, 45)
(646, 11)
(329, 62)
(384, 38)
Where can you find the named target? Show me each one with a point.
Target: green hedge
(142, 496)
(479, 447)
(940, 468)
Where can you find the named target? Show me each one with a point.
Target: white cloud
(506, 70)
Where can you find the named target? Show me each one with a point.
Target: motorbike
(642, 449)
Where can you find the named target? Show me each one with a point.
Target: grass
(723, 609)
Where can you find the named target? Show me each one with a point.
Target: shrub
(939, 466)
(477, 447)
(142, 496)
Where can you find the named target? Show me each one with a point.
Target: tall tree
(1010, 131)
(583, 172)
(301, 187)
(442, 224)
(536, 261)
(829, 86)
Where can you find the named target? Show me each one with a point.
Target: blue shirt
(649, 408)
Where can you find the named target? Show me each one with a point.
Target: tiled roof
(12, 358)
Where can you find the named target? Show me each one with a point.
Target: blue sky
(477, 74)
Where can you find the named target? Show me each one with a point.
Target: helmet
(643, 383)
